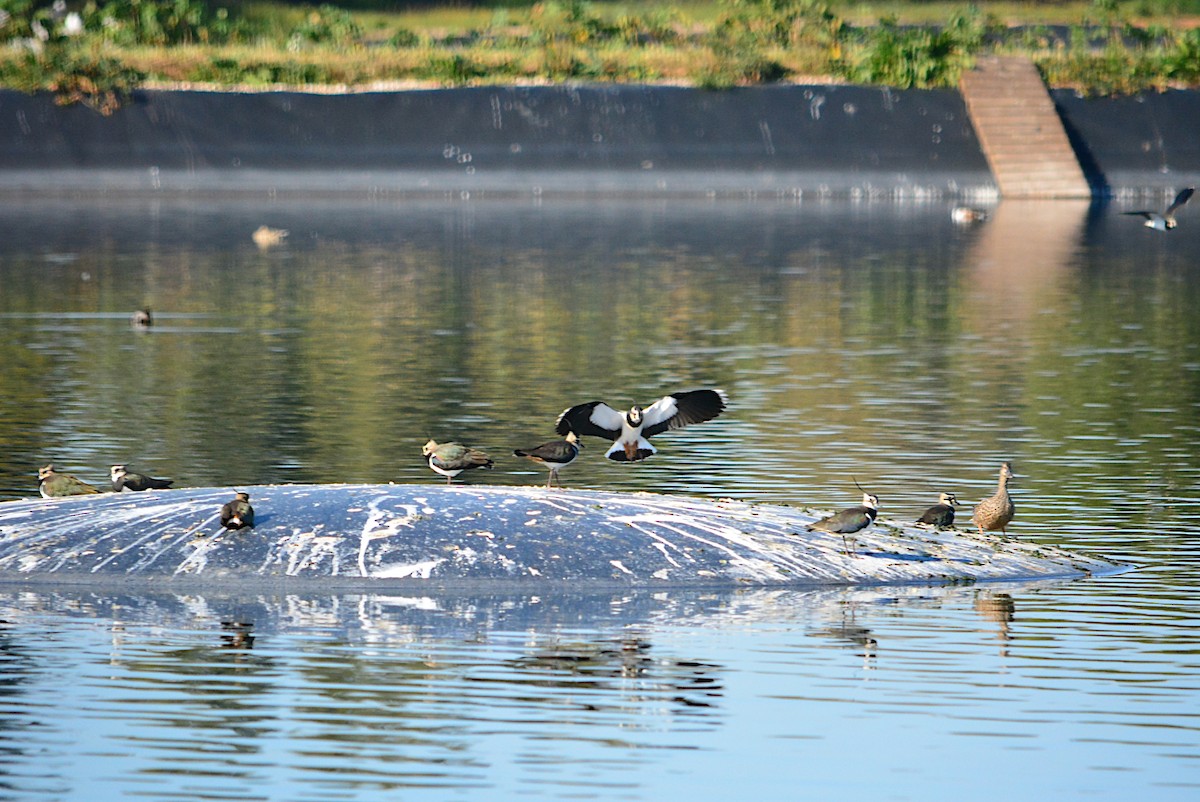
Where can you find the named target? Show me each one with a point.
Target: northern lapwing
(57, 485)
(238, 514)
(940, 515)
(124, 481)
(1166, 220)
(554, 455)
(849, 521)
(997, 511)
(631, 431)
(266, 237)
(141, 319)
(451, 459)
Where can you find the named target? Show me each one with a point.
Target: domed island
(481, 537)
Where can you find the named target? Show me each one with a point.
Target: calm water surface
(875, 342)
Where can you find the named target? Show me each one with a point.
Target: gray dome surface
(480, 535)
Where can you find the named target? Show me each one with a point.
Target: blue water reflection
(777, 694)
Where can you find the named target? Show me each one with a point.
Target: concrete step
(1020, 131)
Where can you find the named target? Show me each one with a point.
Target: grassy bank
(95, 52)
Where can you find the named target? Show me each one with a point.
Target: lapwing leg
(449, 480)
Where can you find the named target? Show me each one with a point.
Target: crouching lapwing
(554, 455)
(238, 514)
(631, 431)
(124, 481)
(940, 515)
(52, 484)
(451, 459)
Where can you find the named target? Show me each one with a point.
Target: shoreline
(822, 140)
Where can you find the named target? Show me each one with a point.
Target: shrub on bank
(95, 51)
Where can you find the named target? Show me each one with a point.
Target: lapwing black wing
(451, 459)
(124, 481)
(238, 514)
(849, 521)
(1166, 220)
(554, 455)
(631, 431)
(940, 515)
(52, 484)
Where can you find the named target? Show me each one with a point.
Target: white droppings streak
(662, 545)
(383, 524)
(197, 561)
(421, 570)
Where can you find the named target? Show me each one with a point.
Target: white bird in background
(266, 237)
(631, 431)
(965, 215)
(1165, 221)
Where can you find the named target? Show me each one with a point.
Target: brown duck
(997, 512)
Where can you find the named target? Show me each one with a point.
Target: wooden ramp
(1020, 131)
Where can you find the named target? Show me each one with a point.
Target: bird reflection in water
(850, 632)
(1000, 608)
(691, 683)
(237, 635)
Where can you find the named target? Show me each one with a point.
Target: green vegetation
(95, 52)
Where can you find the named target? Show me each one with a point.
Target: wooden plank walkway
(1021, 133)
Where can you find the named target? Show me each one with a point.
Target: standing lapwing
(1165, 221)
(124, 481)
(940, 515)
(555, 455)
(997, 511)
(849, 521)
(451, 459)
(631, 431)
(238, 514)
(57, 485)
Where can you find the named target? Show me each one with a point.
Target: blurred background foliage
(96, 52)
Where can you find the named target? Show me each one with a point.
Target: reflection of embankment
(1016, 283)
